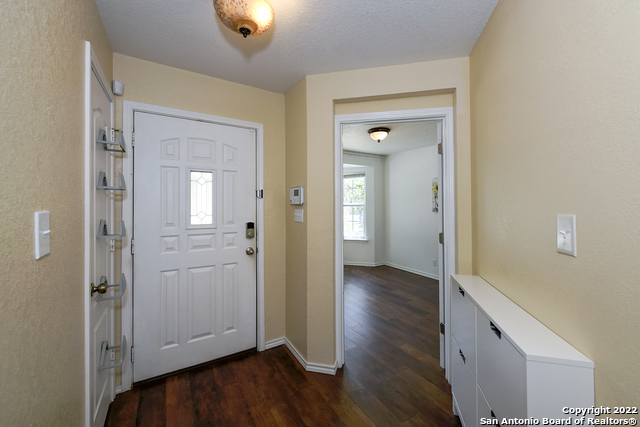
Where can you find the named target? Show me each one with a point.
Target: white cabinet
(512, 365)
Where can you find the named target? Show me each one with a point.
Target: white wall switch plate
(43, 246)
(566, 233)
(298, 215)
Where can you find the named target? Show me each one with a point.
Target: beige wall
(556, 104)
(42, 168)
(156, 84)
(322, 91)
(382, 104)
(296, 165)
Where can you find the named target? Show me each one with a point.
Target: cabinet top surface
(529, 336)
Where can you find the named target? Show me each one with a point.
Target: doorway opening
(374, 185)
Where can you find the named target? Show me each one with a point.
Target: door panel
(101, 383)
(194, 285)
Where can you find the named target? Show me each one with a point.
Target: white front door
(99, 257)
(194, 275)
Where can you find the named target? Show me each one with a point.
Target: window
(201, 198)
(353, 203)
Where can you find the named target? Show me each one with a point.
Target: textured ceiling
(307, 37)
(403, 136)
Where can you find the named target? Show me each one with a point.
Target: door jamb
(448, 206)
(128, 110)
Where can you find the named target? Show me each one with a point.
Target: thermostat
(296, 195)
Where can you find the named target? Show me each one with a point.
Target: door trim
(128, 110)
(92, 67)
(448, 206)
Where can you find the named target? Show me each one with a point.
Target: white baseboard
(411, 270)
(274, 343)
(364, 264)
(311, 367)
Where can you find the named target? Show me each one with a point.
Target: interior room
(544, 98)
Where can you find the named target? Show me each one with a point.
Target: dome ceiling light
(379, 133)
(247, 17)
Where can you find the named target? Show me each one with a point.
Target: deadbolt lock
(250, 230)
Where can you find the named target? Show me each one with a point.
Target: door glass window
(201, 198)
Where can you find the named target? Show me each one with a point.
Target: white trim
(389, 264)
(412, 270)
(365, 264)
(128, 110)
(311, 367)
(448, 205)
(274, 343)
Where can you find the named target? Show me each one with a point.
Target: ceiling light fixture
(247, 17)
(379, 133)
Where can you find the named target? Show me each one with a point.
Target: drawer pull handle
(464, 359)
(461, 290)
(495, 330)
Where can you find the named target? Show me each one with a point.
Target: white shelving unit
(506, 364)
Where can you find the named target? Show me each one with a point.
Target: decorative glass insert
(354, 206)
(201, 198)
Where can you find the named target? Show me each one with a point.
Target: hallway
(391, 375)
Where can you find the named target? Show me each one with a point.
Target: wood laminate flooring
(391, 377)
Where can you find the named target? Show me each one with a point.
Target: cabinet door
(463, 387)
(501, 371)
(463, 324)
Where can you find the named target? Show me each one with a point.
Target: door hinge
(440, 148)
(113, 134)
(133, 139)
(132, 357)
(133, 246)
(260, 194)
(441, 238)
(441, 329)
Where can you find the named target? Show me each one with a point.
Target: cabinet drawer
(500, 371)
(484, 410)
(463, 324)
(463, 387)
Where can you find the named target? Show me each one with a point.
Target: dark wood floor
(391, 375)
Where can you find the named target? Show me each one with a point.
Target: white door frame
(447, 201)
(92, 67)
(128, 110)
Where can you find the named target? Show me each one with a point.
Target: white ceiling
(403, 136)
(307, 37)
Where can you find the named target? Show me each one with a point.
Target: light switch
(567, 234)
(298, 215)
(42, 232)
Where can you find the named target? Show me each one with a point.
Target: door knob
(101, 288)
(250, 251)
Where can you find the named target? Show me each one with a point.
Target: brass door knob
(250, 251)
(101, 288)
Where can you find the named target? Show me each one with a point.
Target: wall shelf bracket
(102, 183)
(104, 234)
(122, 286)
(102, 139)
(103, 353)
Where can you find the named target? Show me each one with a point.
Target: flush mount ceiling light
(247, 17)
(379, 133)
